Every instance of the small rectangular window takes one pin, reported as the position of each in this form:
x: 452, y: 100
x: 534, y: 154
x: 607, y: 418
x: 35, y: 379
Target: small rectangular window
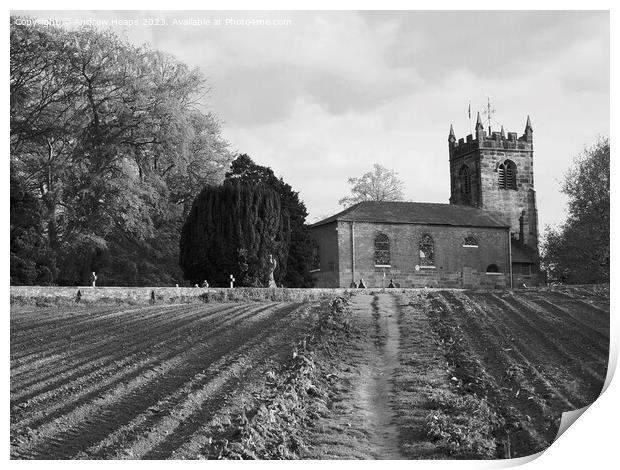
x: 523, y: 269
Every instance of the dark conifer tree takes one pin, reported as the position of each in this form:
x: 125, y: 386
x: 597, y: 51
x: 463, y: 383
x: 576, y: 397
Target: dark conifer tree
x: 299, y: 259
x: 232, y: 229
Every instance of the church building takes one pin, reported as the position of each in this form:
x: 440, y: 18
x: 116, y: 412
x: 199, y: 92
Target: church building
x: 487, y: 236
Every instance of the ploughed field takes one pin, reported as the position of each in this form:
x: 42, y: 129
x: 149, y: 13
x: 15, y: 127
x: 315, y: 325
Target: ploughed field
x: 396, y: 374
x: 531, y: 354
x: 137, y: 382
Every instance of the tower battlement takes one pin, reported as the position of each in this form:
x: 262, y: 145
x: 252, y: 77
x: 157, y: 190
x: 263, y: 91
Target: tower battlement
x: 496, y: 140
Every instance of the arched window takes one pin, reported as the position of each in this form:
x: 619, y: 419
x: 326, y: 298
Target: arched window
x: 507, y: 175
x: 470, y: 241
x: 382, y: 250
x: 511, y: 175
x: 427, y: 251
x: 492, y: 268
x: 465, y: 183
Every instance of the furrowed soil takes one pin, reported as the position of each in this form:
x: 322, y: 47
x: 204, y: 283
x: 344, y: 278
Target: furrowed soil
x: 138, y: 382
x: 424, y: 374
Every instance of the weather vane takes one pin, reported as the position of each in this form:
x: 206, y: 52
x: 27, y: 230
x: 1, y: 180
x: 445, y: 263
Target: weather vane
x: 489, y: 113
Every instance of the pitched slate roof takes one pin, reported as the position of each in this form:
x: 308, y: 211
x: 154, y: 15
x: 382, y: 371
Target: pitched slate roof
x: 422, y: 213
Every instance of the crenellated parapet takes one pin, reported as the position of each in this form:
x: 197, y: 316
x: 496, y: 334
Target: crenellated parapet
x: 481, y: 140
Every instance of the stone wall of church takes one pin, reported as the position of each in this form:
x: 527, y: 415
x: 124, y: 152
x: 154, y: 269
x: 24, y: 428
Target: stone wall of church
x: 509, y: 204
x: 455, y: 265
x: 326, y: 275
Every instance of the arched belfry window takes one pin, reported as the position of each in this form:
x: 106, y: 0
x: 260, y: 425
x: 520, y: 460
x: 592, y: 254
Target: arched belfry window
x: 465, y: 184
x: 507, y: 175
x: 427, y: 251
x: 382, y: 250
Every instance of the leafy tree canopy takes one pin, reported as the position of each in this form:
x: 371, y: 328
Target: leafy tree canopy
x: 380, y: 184
x: 32, y: 260
x: 112, y: 142
x: 578, y: 251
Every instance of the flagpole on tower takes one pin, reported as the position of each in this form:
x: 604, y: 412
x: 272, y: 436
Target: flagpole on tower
x: 469, y: 114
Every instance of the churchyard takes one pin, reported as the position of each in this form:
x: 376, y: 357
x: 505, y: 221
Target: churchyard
x: 416, y: 373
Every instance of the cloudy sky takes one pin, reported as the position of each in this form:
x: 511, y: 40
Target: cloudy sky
x: 322, y: 96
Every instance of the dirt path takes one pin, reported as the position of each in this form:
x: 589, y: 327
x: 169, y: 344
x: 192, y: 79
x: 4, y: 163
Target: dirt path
x: 376, y: 389
x: 362, y: 423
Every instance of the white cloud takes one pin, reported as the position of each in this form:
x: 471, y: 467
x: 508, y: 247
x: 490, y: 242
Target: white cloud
x: 325, y: 97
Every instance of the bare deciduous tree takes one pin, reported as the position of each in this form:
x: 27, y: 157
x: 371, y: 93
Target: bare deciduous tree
x: 380, y: 184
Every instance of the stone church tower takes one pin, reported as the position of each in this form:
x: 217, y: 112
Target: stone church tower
x: 495, y: 172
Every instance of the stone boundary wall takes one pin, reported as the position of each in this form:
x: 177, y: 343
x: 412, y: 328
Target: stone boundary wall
x: 167, y: 294
x: 142, y: 295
